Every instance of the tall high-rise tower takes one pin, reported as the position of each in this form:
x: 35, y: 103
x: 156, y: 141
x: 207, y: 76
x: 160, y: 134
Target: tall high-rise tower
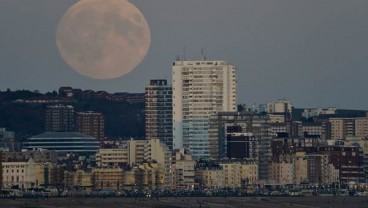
x: 60, y: 118
x: 200, y: 89
x: 158, y: 110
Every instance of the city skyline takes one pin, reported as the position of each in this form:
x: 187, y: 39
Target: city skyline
x: 311, y: 52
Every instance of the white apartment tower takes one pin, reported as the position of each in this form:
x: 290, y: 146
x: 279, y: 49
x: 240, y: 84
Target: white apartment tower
x: 200, y: 89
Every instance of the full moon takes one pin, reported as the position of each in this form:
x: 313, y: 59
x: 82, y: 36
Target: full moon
x: 103, y: 39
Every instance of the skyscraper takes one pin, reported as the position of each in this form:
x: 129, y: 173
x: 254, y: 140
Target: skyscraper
x: 91, y: 124
x: 60, y: 118
x: 158, y: 110
x: 200, y: 89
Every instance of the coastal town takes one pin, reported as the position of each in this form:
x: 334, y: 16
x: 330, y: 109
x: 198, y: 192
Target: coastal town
x: 198, y: 141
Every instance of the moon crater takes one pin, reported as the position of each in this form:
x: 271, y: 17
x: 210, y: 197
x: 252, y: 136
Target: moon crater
x: 103, y: 39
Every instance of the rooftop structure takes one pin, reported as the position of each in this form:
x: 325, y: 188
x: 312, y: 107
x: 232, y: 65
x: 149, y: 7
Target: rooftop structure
x: 63, y: 142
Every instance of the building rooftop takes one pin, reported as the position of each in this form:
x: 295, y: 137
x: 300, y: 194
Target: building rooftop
x: 59, y: 135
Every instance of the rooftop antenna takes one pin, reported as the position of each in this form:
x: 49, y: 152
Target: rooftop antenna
x: 203, y: 55
x: 184, y: 53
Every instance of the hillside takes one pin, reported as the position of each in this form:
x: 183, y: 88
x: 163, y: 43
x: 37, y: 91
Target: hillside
x: 122, y: 119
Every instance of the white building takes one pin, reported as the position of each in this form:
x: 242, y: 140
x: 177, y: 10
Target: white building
x: 183, y: 169
x: 200, y: 89
x: 21, y: 174
x: 308, y: 113
x: 280, y: 106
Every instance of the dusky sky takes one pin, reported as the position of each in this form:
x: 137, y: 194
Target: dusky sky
x: 313, y: 52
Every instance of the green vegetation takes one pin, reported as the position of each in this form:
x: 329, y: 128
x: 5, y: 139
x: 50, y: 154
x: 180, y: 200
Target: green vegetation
x: 122, y: 119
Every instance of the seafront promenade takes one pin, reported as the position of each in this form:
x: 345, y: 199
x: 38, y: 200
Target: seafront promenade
x: 188, y: 202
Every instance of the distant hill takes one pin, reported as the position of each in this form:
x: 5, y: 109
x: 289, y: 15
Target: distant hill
x: 122, y: 119
x: 297, y: 113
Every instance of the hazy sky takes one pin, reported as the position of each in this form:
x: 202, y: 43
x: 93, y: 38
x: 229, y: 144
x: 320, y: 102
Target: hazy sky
x: 313, y: 52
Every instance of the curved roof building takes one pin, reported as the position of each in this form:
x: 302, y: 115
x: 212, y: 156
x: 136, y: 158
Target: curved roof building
x: 63, y: 142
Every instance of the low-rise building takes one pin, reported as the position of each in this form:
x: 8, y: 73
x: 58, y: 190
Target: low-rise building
x: 362, y: 143
x: 320, y: 170
x: 83, y: 180
x: 183, y: 169
x: 282, y: 173
x: 114, y: 157
x: 301, y: 168
x: 39, y: 156
x: 134, y: 178
x: 154, y: 175
x: 348, y: 160
x: 20, y: 174
x: 277, y: 118
x: 238, y: 174
x: 107, y: 178
x: 136, y: 152
x: 157, y: 152
x: 210, y: 177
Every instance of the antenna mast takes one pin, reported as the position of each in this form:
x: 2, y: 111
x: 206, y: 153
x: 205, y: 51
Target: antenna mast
x: 203, y: 55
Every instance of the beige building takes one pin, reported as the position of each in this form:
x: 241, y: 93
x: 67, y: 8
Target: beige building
x: 132, y: 153
x: 277, y: 128
x: 83, y: 179
x: 282, y: 173
x: 333, y: 175
x: 312, y: 129
x: 347, y: 127
x: 276, y: 118
x: 134, y: 178
x: 40, y: 174
x: 237, y: 174
x: 361, y: 127
x: 183, y: 169
x: 115, y: 157
x: 154, y: 175
x: 279, y: 106
x: 38, y: 156
x: 301, y: 168
x: 107, y: 178
x: 342, y: 127
x: 210, y: 177
x: 157, y: 151
x: 135, y: 149
x: 320, y: 170
x: 137, y: 152
x: 21, y: 174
